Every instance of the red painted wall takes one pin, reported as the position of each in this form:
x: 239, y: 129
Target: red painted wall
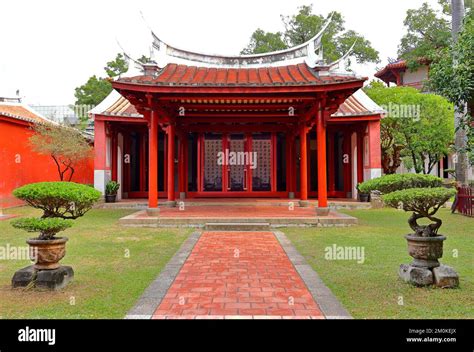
x: 19, y: 165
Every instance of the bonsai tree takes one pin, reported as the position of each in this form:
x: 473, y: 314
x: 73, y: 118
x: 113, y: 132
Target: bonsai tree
x: 65, y: 200
x: 47, y: 228
x: 424, y: 203
x: 61, y: 202
x: 421, y: 194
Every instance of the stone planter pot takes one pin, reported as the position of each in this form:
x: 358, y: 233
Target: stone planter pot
x: 110, y: 198
x: 425, y: 251
x: 364, y: 197
x: 47, y: 253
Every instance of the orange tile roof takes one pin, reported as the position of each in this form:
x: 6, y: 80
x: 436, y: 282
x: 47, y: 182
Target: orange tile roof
x: 20, y: 112
x: 291, y: 75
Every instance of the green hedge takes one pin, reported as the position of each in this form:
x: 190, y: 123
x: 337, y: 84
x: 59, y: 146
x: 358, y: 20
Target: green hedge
x: 66, y: 200
x: 395, y: 182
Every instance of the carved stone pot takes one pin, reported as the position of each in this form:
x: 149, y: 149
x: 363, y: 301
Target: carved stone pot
x: 47, y: 253
x: 425, y: 250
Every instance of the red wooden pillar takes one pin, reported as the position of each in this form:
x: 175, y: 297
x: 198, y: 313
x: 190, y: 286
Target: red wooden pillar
x: 182, y: 165
x: 332, y: 163
x: 303, y: 168
x: 114, y: 154
x: 153, y: 162
x: 171, y: 133
x: 290, y: 140
x: 322, y: 166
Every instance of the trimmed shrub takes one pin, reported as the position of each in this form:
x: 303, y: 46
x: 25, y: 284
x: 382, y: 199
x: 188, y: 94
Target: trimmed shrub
x: 66, y: 200
x: 47, y: 227
x: 424, y: 203
x: 396, y: 182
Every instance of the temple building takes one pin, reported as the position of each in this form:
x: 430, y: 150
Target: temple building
x: 283, y: 124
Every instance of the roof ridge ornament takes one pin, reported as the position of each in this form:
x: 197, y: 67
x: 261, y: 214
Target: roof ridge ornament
x: 340, y: 66
x: 309, y: 52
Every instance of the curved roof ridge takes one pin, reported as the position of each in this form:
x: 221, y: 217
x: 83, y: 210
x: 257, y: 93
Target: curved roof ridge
x: 305, y: 52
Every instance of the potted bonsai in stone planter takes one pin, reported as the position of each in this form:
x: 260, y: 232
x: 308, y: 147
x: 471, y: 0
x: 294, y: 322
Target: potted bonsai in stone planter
x: 423, y: 195
x: 425, y: 244
x: 61, y: 202
x: 111, y: 189
x: 46, y: 250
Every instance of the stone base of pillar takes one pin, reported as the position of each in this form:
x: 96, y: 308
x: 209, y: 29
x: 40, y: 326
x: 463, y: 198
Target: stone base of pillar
x: 182, y: 195
x: 304, y: 203
x: 153, y: 212
x: 171, y: 203
x: 291, y: 195
x: 322, y: 211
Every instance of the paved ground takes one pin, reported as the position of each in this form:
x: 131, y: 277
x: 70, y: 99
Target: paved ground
x: 238, y: 274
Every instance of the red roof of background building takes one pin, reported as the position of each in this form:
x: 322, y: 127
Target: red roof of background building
x: 291, y: 75
x: 20, y: 111
x: 397, y: 65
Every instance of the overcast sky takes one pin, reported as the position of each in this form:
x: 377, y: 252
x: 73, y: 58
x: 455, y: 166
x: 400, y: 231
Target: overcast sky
x: 49, y: 47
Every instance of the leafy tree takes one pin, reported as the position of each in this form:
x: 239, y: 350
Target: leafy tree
x: 144, y: 59
x: 452, y: 75
x: 66, y: 145
x: 93, y: 92
x: 263, y: 42
x: 428, y: 32
x: 302, y: 26
x: 116, y: 67
x: 96, y: 88
x: 418, y: 127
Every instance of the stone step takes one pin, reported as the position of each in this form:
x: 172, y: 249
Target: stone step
x: 237, y: 226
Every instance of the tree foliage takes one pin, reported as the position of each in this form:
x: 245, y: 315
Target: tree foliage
x: 96, y: 88
x: 302, y: 26
x: 66, y: 146
x: 452, y: 75
x: 65, y: 200
x: 47, y: 228
x: 395, y: 182
x: 418, y: 127
x: 420, y: 194
x: 116, y: 67
x: 424, y: 203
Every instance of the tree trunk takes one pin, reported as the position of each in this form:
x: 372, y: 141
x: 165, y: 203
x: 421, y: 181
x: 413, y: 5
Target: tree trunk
x: 461, y: 161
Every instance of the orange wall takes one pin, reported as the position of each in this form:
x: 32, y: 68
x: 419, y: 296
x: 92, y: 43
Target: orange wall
x: 19, y: 165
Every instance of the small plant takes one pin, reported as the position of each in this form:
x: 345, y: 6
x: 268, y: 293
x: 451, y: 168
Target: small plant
x: 111, y: 188
x: 47, y: 228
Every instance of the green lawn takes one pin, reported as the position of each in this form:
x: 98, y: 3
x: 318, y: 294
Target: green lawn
x: 373, y: 289
x: 106, y: 282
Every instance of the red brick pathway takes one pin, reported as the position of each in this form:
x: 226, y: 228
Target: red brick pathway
x: 237, y: 275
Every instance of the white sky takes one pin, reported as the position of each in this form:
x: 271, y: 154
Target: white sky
x: 49, y: 47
